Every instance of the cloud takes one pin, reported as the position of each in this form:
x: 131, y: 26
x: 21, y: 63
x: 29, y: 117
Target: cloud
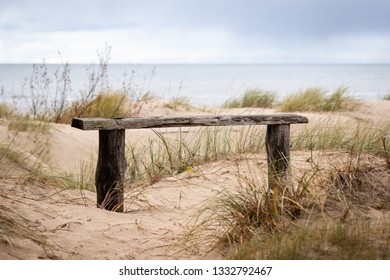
x: 359, y: 48
x: 285, y: 17
x: 182, y: 46
x: 129, y: 45
x: 196, y: 31
x: 70, y: 15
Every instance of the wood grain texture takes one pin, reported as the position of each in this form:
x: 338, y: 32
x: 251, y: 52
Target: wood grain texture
x: 277, y: 143
x: 157, y: 122
x: 110, y: 170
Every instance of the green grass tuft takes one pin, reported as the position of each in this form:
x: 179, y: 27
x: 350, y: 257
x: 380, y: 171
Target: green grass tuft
x: 162, y: 155
x: 332, y: 134
x: 177, y: 102
x: 254, y: 98
x: 147, y: 96
x: 104, y: 105
x: 24, y: 124
x: 315, y: 100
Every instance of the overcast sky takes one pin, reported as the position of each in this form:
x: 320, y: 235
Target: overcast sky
x: 196, y: 31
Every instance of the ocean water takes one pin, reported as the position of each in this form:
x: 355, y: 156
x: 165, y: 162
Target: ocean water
x: 209, y: 84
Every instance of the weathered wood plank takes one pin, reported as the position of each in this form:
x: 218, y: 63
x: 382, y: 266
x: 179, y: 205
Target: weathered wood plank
x: 157, y: 122
x: 110, y: 170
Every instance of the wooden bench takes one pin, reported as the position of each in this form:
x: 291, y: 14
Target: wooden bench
x: 111, y: 164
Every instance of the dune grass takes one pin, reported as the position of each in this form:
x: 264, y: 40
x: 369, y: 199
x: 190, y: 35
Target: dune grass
x: 255, y: 98
x: 354, y: 240
x: 16, y: 158
x: 328, y: 192
x: 315, y: 100
x: 14, y: 225
x: 324, y: 216
x: 147, y: 96
x: 47, y: 97
x: 25, y: 146
x: 18, y: 122
x: 6, y: 111
x: 334, y: 134
x: 335, y: 223
x: 104, y: 105
x: 163, y: 155
x: 24, y: 124
x: 386, y: 97
x: 176, y: 102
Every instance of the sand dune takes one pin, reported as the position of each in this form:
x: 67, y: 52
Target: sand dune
x: 65, y: 224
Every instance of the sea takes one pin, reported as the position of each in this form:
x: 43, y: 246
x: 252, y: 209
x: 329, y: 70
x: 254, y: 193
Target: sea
x: 201, y: 84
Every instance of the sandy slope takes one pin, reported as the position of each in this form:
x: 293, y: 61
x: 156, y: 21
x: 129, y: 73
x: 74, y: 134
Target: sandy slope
x: 148, y: 230
x: 65, y: 224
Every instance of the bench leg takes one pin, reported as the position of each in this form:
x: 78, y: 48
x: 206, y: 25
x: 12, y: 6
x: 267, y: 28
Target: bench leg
x: 278, y: 157
x: 110, y: 170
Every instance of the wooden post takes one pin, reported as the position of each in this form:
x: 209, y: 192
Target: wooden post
x: 278, y: 156
x: 110, y: 170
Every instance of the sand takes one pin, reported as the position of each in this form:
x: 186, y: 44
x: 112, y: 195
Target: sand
x: 65, y: 224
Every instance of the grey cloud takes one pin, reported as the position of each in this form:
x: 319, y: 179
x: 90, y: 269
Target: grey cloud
x: 277, y: 18
x: 310, y: 18
x: 249, y: 27
x: 68, y: 15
